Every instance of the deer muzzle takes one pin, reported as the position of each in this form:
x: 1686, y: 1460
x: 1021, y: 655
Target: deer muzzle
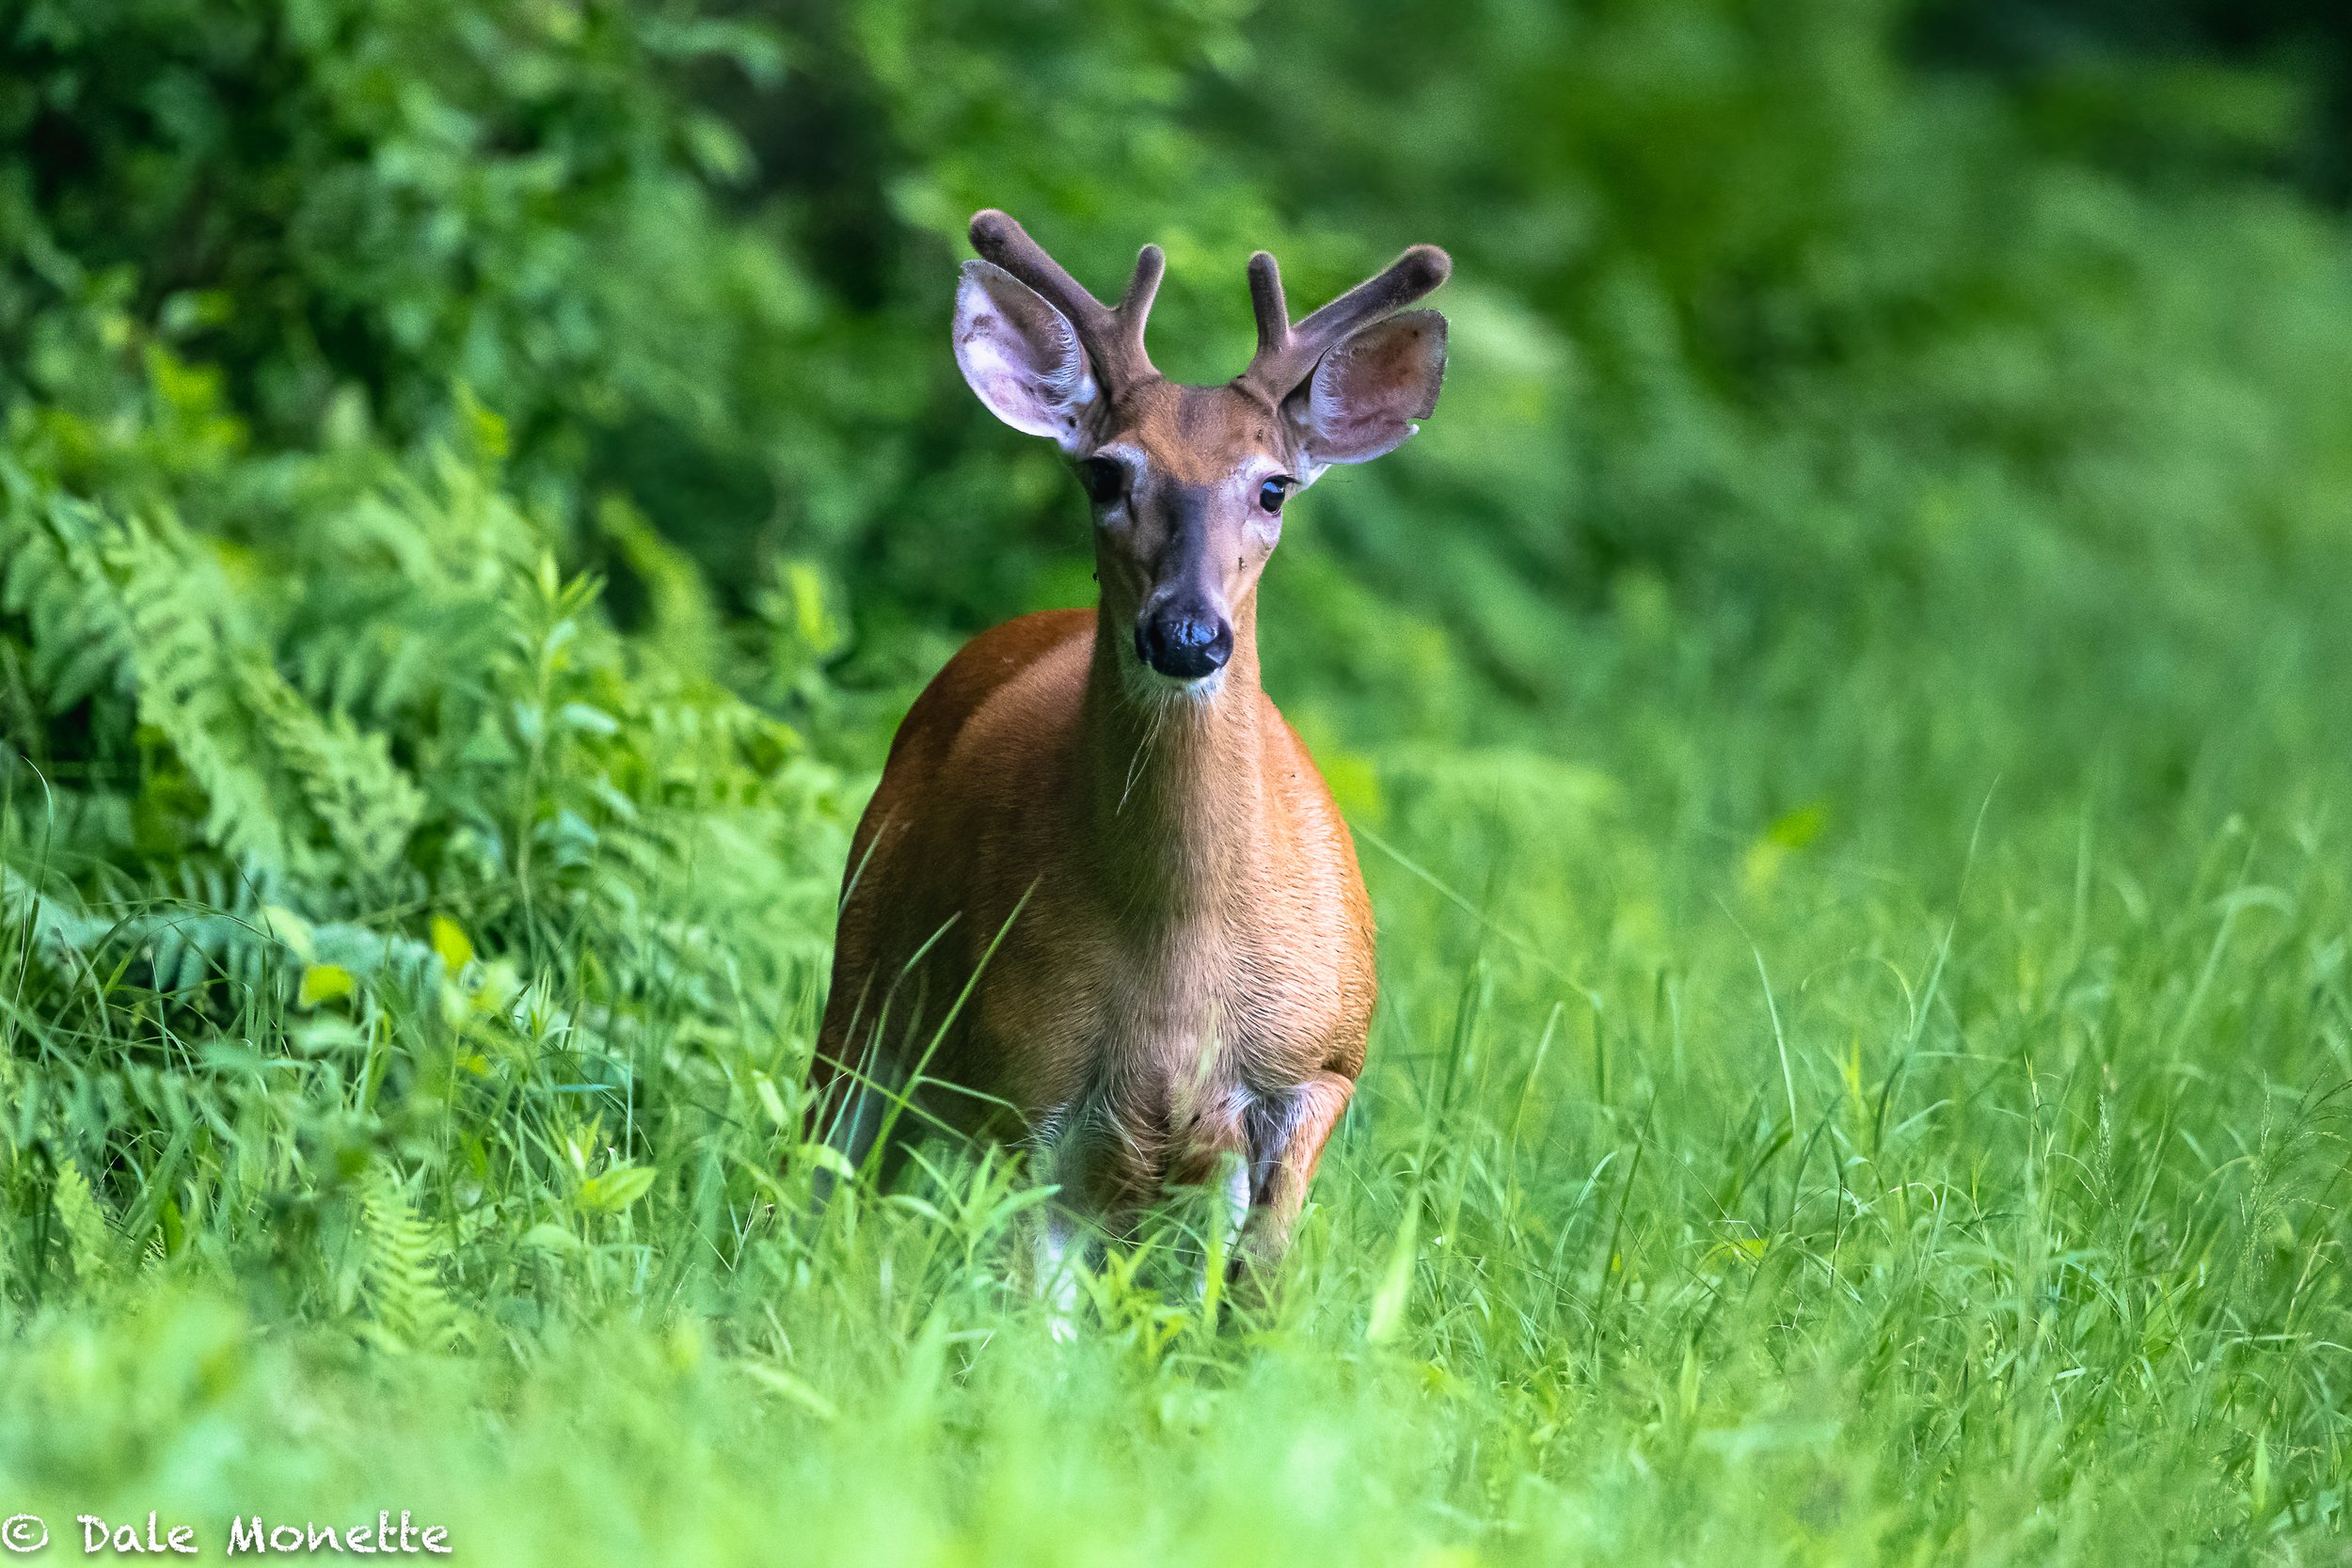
x: 1184, y: 642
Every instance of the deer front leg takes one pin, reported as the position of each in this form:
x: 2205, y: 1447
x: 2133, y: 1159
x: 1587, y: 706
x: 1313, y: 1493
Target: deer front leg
x: 1287, y: 1132
x: 1057, y: 1254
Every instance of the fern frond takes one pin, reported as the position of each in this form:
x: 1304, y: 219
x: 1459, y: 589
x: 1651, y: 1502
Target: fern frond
x: 193, y: 689
x: 52, y: 572
x: 405, y: 591
x: 366, y: 805
x: 89, y: 1236
x: 398, y: 1273
x: 56, y: 928
x: 138, y: 608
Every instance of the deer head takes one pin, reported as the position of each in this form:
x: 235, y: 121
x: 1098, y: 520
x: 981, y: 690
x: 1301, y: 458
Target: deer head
x: 1187, y: 482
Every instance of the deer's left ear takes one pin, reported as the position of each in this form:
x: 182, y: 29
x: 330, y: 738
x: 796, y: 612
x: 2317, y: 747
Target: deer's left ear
x: 1366, y: 393
x: 1022, y: 356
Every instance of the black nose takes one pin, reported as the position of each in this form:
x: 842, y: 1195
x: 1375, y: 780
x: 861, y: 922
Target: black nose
x: 1185, y: 644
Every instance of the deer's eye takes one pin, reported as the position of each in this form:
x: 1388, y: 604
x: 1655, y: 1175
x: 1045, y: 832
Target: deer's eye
x: 1104, y: 481
x: 1270, y: 494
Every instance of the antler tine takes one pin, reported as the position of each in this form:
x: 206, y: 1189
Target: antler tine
x: 1267, y: 303
x: 1001, y: 240
x: 1134, y: 306
x: 1113, y: 336
x: 1287, y: 354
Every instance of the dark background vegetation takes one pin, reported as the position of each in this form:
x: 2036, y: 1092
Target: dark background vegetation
x: 699, y: 258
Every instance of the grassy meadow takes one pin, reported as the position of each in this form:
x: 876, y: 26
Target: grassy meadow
x: 1843, y: 710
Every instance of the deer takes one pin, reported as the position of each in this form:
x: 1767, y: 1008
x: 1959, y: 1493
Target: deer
x: 1102, y: 906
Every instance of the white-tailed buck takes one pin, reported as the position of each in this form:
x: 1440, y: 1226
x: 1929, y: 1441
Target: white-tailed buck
x: 1102, y: 903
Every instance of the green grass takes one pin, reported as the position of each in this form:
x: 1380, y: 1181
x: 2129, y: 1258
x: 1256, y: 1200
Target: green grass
x: 1883, y: 1187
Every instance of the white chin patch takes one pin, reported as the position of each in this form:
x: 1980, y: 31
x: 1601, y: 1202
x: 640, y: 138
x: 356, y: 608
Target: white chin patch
x: 1147, y: 684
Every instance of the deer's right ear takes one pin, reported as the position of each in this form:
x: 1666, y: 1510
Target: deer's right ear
x: 1365, y: 395
x: 1022, y: 356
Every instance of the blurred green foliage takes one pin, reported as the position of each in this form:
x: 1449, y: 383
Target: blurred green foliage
x: 1788, y: 341
x: 1842, y: 707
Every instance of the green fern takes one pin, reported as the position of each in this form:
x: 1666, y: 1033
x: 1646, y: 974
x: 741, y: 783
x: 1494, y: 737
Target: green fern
x: 292, y: 760
x: 137, y: 606
x: 56, y: 928
x: 366, y: 806
x: 53, y: 574
x: 89, y: 1236
x: 398, y: 1268
x: 405, y: 594
x: 195, y: 684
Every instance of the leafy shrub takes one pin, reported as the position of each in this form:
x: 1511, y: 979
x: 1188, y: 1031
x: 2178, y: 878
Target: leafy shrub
x: 273, y: 789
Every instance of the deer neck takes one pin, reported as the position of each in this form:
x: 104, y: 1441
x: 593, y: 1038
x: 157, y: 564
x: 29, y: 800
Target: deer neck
x: 1176, y: 780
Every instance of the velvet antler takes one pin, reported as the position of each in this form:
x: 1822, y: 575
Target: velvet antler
x: 1287, y: 354
x: 1113, y: 334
